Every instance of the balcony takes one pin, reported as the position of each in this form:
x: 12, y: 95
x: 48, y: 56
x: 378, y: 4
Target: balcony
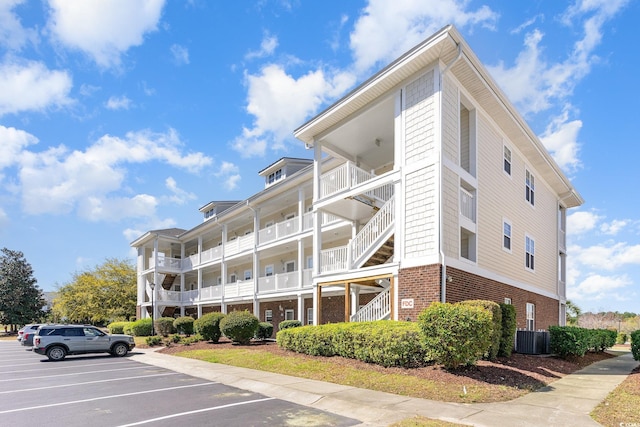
x: 172, y: 265
x: 241, y: 288
x: 283, y: 281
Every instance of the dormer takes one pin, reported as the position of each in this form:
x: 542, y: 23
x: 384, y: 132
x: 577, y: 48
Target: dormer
x: 282, y: 168
x: 212, y: 209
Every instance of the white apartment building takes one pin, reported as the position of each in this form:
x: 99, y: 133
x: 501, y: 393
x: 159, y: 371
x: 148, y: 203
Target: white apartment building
x: 426, y: 185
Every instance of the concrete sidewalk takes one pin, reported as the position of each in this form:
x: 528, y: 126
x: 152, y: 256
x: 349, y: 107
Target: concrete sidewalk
x: 566, y: 402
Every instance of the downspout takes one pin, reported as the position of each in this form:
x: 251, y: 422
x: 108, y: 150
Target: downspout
x: 443, y: 276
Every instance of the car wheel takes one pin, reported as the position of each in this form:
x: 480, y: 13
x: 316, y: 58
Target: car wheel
x: 56, y: 353
x: 120, y: 350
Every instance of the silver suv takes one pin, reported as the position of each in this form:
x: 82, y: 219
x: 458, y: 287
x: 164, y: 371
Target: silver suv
x: 57, y: 341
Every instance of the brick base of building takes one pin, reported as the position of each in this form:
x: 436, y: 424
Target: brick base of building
x: 420, y: 286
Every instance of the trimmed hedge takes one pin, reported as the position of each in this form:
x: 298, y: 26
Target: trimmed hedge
x: 239, y: 326
x: 456, y: 334
x: 208, y: 325
x: 569, y: 341
x: 496, y: 317
x: 164, y: 326
x: 622, y: 338
x: 286, y: 324
x: 386, y: 343
x: 264, y: 331
x: 635, y: 344
x: 117, y: 327
x: 509, y: 326
x: 140, y: 328
x: 184, y: 325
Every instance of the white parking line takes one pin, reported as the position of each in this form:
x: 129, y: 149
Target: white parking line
x: 115, y: 396
x: 181, y: 414
x: 48, y: 366
x: 70, y: 374
x: 88, y: 382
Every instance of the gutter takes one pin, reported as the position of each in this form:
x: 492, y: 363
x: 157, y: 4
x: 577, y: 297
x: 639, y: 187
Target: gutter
x: 443, y: 275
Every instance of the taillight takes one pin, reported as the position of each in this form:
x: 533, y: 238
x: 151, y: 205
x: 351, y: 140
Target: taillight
x: 36, y: 341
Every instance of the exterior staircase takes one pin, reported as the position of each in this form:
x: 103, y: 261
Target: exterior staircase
x: 378, y: 308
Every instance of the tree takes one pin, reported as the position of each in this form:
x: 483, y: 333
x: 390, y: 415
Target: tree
x: 573, y: 313
x: 105, y: 294
x: 21, y: 300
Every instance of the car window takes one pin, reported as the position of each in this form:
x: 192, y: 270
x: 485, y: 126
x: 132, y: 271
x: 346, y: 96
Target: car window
x: 92, y: 332
x: 73, y: 332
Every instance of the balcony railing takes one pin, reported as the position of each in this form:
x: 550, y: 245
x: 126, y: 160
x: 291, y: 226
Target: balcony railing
x: 344, y: 177
x: 283, y: 281
x: 240, y: 244
x: 211, y: 292
x: 241, y: 288
x: 467, y: 205
x: 377, y: 309
x: 212, y: 254
x: 166, y: 263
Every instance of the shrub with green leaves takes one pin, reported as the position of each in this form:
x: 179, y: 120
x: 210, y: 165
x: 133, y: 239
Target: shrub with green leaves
x: 635, y: 344
x: 153, y: 341
x: 568, y: 341
x: 509, y: 326
x: 184, y: 325
x: 117, y: 327
x: 208, y: 325
x: 239, y: 326
x: 128, y: 328
x: 141, y: 328
x: 265, y: 330
x: 286, y: 324
x: 621, y: 338
x: 456, y: 334
x: 496, y: 331
x: 311, y: 340
x: 164, y: 326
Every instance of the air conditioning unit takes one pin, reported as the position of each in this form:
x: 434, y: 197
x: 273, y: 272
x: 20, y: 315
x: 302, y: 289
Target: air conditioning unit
x: 532, y: 342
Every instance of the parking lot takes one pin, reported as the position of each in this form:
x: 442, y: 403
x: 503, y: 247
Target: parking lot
x: 100, y: 390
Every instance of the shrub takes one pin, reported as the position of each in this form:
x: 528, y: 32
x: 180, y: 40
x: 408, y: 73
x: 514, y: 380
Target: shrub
x: 116, y: 327
x: 456, y: 334
x: 128, y: 328
x: 286, y: 324
x: 509, y: 326
x: 164, y: 326
x: 635, y: 344
x: 621, y: 338
x: 311, y: 340
x: 154, y: 340
x: 264, y: 331
x: 192, y: 339
x: 568, y: 341
x: 496, y: 317
x: 208, y: 325
x: 184, y: 325
x: 141, y: 328
x: 239, y: 326
x: 601, y: 339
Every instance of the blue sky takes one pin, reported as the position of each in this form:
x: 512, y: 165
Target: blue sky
x: 121, y: 116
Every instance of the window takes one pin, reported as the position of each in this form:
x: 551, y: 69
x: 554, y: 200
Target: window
x: 530, y: 251
x: 289, y: 314
x: 268, y: 270
x: 310, y: 261
x: 289, y: 266
x: 310, y: 316
x: 247, y: 275
x: 531, y: 317
x: 507, y: 160
x: 530, y: 188
x: 219, y: 280
x: 507, y: 301
x: 233, y: 278
x: 268, y: 315
x: 506, y: 235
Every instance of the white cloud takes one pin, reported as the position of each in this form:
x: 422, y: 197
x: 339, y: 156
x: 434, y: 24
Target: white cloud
x: 31, y: 86
x: 88, y: 90
x: 13, y: 36
x: 387, y: 29
x: 581, y: 222
x: 118, y: 103
x: 58, y: 180
x: 614, y: 227
x: 103, y: 29
x: 229, y: 173
x: 152, y: 223
x: 4, y: 219
x: 267, y: 47
x: 606, y: 256
x: 179, y: 196
x: 535, y: 84
x: 561, y: 139
x: 271, y: 94
x: 13, y: 142
x: 180, y: 54
x: 598, y: 287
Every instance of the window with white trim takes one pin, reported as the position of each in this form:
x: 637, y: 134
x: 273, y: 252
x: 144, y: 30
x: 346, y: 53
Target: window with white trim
x: 530, y: 252
x: 530, y: 188
x: 507, y: 160
x: 268, y: 315
x: 233, y: 278
x: 268, y: 270
x: 310, y: 316
x: 289, y: 266
x: 310, y: 261
x: 531, y: 317
x: 289, y: 314
x: 507, y: 300
x: 506, y: 235
x: 247, y: 274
